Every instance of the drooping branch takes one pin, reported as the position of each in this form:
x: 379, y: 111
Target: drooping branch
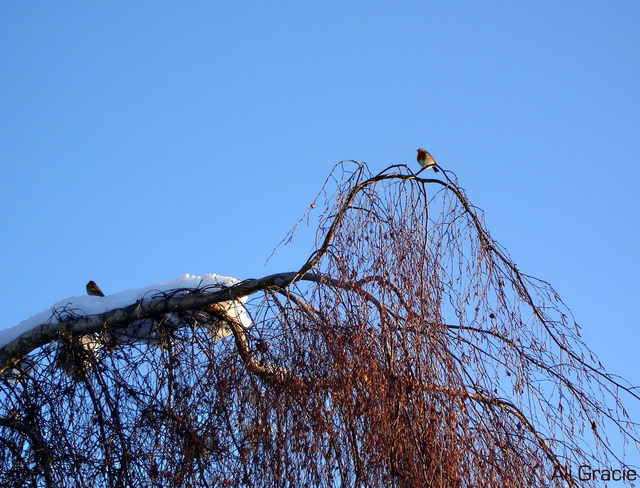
x: 40, y: 447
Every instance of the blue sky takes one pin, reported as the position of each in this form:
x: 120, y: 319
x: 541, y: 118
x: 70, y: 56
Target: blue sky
x: 143, y: 140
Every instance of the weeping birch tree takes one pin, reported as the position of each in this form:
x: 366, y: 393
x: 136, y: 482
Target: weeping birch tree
x: 408, y: 350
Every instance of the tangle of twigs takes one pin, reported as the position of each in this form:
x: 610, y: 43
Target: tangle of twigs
x: 408, y: 350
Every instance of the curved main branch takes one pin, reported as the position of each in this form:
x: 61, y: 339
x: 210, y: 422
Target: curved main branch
x: 113, y: 319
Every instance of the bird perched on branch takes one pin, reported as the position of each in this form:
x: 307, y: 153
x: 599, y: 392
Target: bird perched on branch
x: 93, y: 289
x: 426, y: 160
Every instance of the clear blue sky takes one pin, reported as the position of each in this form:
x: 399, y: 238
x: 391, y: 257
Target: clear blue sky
x: 143, y: 140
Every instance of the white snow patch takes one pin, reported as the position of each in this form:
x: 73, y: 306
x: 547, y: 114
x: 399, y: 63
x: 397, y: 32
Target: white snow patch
x: 91, y: 305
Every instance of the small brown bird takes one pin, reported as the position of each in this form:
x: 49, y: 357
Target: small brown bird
x: 93, y: 289
x: 426, y: 160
